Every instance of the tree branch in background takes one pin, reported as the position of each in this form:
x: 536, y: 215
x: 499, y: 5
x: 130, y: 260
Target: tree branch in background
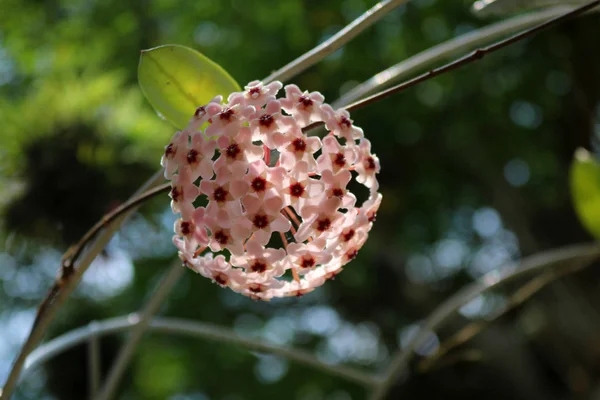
x: 574, y: 257
x: 326, y: 48
x: 443, y: 51
x: 135, y: 335
x: 475, y: 55
x: 193, y: 329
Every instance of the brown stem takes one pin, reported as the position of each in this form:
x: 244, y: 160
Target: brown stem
x: 475, y: 55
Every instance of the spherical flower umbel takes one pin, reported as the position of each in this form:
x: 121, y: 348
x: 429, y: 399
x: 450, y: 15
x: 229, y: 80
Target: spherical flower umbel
x: 278, y: 218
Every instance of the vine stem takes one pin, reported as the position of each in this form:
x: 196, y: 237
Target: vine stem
x: 443, y: 51
x: 348, y: 33
x: 475, y: 55
x: 542, y: 262
x: 193, y: 329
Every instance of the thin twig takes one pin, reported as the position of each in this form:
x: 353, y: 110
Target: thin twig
x: 348, y: 33
x: 443, y: 51
x: 474, y: 328
x: 127, y: 350
x: 94, y: 366
x: 475, y: 55
x: 544, y: 262
x: 134, y: 202
x: 197, y: 330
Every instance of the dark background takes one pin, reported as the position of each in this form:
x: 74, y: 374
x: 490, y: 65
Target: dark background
x: 474, y: 175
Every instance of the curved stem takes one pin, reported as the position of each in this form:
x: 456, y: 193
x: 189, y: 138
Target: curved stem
x: 348, y: 33
x: 542, y: 262
x: 196, y: 330
x: 126, y: 353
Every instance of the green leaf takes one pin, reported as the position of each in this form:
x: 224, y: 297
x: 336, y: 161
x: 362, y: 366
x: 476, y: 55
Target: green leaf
x: 176, y: 80
x: 585, y: 190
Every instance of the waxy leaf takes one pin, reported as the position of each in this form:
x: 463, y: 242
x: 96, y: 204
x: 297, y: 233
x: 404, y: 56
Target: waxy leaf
x: 585, y: 190
x: 176, y: 80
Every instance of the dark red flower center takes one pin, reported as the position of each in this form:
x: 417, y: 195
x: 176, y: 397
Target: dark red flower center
x: 170, y: 150
x: 371, y: 216
x: 254, y: 91
x: 221, y: 237
x: 305, y: 101
x: 299, y: 145
x: 348, y: 235
x: 200, y: 111
x: 258, y: 266
x: 186, y: 227
x: 220, y: 194
x: 256, y: 288
x: 192, y: 156
x: 339, y: 159
x: 175, y: 193
x: 266, y: 120
x: 338, y: 192
x: 323, y: 224
x: 370, y: 163
x: 351, y: 254
x: 260, y: 221
x: 259, y: 184
x: 297, y: 189
x: 221, y: 278
x: 233, y: 151
x: 226, y: 114
x: 307, y: 262
x: 345, y: 123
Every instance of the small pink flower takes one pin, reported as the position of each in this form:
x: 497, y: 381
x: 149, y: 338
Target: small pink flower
x: 335, y: 156
x: 265, y: 216
x: 175, y: 153
x: 367, y: 165
x: 308, y: 257
x: 204, y: 113
x: 298, y: 148
x: 260, y: 260
x: 262, y: 179
x: 269, y: 125
x: 304, y: 106
x: 340, y: 124
x: 199, y: 156
x: 257, y: 94
x: 299, y: 187
x: 335, y: 187
x: 238, y: 149
x: 228, y: 121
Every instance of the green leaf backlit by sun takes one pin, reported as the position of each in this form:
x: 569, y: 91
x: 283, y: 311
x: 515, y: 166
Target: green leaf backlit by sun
x: 176, y: 80
x: 585, y: 190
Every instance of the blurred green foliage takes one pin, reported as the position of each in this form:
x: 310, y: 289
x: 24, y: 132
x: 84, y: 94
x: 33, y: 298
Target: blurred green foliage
x: 475, y: 168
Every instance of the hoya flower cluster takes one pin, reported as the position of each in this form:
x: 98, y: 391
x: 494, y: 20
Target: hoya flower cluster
x: 269, y: 201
